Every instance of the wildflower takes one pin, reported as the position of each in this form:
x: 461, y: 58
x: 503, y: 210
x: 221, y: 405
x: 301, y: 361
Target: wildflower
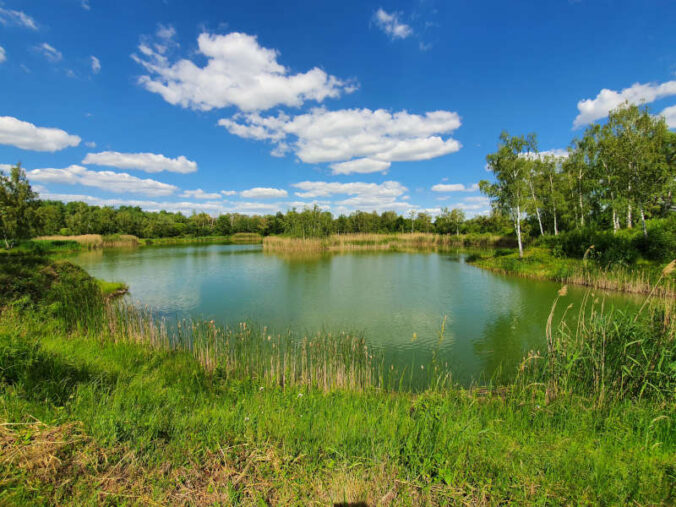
x: 260, y: 388
x: 300, y: 395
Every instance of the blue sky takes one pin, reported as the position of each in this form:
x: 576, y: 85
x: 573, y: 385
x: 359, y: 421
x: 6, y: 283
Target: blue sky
x: 259, y: 106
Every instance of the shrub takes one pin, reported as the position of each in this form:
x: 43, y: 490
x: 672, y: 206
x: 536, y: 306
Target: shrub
x: 660, y: 245
x: 60, y: 288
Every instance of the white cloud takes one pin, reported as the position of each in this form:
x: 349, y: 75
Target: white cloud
x: 391, y: 24
x: 670, y: 115
x: 3, y: 54
x: 96, y: 65
x: 200, y: 194
x: 239, y: 72
x: 454, y: 187
x: 90, y: 144
x: 27, y: 136
x: 326, y: 189
x: 362, y: 139
x: 364, y: 196
x: 229, y: 192
x: 264, y: 193
x: 105, y: 180
x: 85, y: 5
x: 49, y: 52
x: 591, y: 110
x: 148, y: 162
x: 186, y: 207
x: 361, y: 166
x: 18, y: 18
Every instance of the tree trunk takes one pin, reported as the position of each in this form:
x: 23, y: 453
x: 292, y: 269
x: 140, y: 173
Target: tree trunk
x: 518, y: 231
x: 616, y: 222
x: 629, y: 216
x: 581, y: 210
x: 551, y: 186
x: 537, y: 209
x: 645, y: 227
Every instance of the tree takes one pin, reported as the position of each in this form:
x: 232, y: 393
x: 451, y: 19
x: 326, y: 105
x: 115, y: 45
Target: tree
x: 510, y: 190
x: 640, y: 156
x: 17, y: 206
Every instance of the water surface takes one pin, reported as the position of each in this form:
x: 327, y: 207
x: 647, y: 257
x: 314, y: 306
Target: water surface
x: 396, y: 300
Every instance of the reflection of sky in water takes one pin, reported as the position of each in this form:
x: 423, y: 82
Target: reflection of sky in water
x: 491, y: 319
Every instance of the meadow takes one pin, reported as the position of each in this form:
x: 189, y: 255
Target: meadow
x: 102, y: 402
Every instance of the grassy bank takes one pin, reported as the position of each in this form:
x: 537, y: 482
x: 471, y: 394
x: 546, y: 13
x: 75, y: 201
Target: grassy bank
x: 107, y: 404
x: 539, y: 263
x: 375, y: 242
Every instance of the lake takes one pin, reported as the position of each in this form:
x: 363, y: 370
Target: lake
x: 398, y: 301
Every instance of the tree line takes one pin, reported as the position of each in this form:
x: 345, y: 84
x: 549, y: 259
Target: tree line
x: 616, y: 175
x: 24, y: 216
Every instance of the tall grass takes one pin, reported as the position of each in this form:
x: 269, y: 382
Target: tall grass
x: 323, y: 361
x: 395, y: 242
x: 94, y: 241
x: 538, y: 263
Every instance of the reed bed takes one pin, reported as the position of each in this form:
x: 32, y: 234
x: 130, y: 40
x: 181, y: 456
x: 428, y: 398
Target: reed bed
x: 380, y: 242
x: 539, y: 264
x: 95, y: 241
x: 322, y: 361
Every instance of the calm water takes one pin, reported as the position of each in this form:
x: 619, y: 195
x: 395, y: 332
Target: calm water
x: 396, y: 300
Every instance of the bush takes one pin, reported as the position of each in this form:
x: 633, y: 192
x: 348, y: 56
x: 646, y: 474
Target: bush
x: 609, y: 248
x: 62, y: 289
x: 660, y: 245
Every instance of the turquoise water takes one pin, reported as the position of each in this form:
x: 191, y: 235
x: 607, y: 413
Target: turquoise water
x: 396, y: 300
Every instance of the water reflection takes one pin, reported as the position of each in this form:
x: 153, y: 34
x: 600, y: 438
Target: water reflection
x: 492, y: 320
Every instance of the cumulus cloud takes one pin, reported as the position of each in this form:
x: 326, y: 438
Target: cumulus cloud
x: 229, y: 192
x: 3, y: 54
x: 359, y: 140
x: 16, y: 18
x: 594, y: 109
x: 238, y: 72
x: 105, y: 180
x: 358, y: 195
x: 200, y: 194
x: 96, y: 65
x: 670, y: 116
x: 391, y: 24
x: 455, y: 187
x: 187, y: 207
x: 361, y: 166
x: 148, y: 162
x: 27, y: 136
x: 49, y: 52
x: 264, y: 193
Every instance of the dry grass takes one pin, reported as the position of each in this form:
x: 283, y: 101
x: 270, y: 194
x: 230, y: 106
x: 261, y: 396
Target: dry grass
x: 71, y: 468
x: 94, y: 241
x: 377, y: 242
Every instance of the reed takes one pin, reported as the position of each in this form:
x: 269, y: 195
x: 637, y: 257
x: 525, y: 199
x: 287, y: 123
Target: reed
x: 322, y: 361
x: 380, y: 242
x: 94, y: 241
x: 537, y: 263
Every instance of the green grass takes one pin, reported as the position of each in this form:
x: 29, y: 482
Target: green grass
x: 539, y: 263
x: 164, y: 427
x: 112, y: 288
x: 104, y: 403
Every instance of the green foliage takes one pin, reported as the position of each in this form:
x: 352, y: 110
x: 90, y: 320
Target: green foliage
x: 518, y: 445
x: 17, y: 206
x: 60, y: 289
